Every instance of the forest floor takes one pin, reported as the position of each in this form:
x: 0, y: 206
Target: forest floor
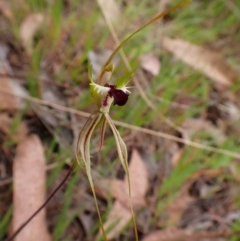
x: 181, y: 124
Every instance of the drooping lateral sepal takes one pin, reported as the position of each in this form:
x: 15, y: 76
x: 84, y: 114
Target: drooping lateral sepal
x: 84, y: 138
x: 121, y: 147
x: 83, y: 146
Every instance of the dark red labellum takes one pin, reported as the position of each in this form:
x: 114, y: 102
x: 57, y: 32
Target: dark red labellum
x: 119, y: 96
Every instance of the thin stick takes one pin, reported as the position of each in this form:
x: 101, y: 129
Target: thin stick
x: 129, y: 126
x: 42, y: 206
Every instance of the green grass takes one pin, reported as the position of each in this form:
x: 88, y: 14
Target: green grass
x: 5, y: 222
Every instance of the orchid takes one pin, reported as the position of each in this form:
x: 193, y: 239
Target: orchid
x: 105, y: 95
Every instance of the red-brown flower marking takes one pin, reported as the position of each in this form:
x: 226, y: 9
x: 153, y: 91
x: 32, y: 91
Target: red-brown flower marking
x: 120, y: 97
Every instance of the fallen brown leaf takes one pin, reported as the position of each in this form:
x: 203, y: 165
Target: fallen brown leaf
x: 174, y: 234
x: 150, y: 63
x: 98, y: 59
x: 120, y: 213
x: 28, y: 28
x: 9, y: 85
x: 106, y: 187
x: 138, y: 178
x: 29, y: 190
x: 5, y: 9
x: 6, y: 101
x: 192, y: 126
x: 181, y: 202
x: 111, y: 9
x: 166, y: 235
x: 208, y: 62
x: 183, y: 198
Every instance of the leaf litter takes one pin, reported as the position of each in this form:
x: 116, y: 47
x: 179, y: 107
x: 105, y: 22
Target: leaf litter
x: 29, y: 180
x: 120, y: 214
x: 207, y: 61
x: 193, y: 194
x: 150, y: 63
x: 30, y: 25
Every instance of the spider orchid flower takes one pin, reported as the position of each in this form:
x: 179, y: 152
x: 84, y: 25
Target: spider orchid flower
x: 104, y: 96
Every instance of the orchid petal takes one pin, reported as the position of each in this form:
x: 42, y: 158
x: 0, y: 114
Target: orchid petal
x: 90, y: 73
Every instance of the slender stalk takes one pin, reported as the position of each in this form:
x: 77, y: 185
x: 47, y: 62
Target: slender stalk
x: 42, y: 206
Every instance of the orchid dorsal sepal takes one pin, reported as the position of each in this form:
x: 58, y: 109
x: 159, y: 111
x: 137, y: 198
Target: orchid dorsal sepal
x: 90, y: 74
x: 109, y: 68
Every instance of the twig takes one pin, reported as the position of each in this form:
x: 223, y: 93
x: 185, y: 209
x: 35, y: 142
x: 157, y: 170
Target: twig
x: 129, y: 126
x: 42, y: 206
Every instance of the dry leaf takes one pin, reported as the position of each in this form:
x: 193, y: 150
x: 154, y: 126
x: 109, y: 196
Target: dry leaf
x: 28, y: 28
x: 98, y: 59
x: 54, y: 119
x: 176, y: 157
x: 163, y: 5
x: 166, y: 235
x: 193, y: 126
x: 117, y: 219
x: 6, y: 101
x: 181, y: 202
x: 173, y: 234
x: 208, y: 62
x: 120, y: 214
x: 9, y: 86
x: 115, y: 188
x: 5, y: 9
x: 150, y: 63
x: 183, y: 198
x: 138, y: 178
x: 232, y: 110
x: 111, y: 9
x: 29, y: 190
